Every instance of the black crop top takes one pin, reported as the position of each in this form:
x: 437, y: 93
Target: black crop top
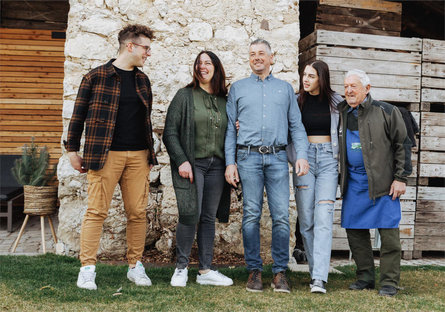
x: 316, y: 116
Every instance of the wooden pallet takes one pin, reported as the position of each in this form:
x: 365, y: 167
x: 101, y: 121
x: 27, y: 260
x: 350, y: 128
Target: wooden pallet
x: 392, y: 63
x: 366, y: 17
x: 433, y: 72
x: 429, y: 232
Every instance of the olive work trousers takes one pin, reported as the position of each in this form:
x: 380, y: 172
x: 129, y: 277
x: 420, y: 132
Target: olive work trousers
x: 390, y: 254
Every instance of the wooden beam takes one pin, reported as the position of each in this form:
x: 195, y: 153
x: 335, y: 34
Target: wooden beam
x: 378, y: 5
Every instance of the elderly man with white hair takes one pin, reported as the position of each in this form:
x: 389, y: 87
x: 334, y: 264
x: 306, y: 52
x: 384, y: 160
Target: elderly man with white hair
x: 375, y: 161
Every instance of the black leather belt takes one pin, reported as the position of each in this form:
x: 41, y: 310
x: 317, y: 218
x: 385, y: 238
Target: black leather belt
x: 263, y: 149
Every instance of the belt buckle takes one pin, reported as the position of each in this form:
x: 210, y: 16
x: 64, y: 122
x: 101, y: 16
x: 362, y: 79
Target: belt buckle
x: 263, y: 149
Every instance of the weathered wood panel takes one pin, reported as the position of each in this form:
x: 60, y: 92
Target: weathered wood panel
x: 411, y: 57
x: 357, y: 30
x: 430, y: 229
x: 432, y: 157
x: 429, y: 243
x: 361, y: 41
x: 374, y: 66
x: 432, y: 144
x: 431, y: 206
x: 433, y: 95
x: 366, y: 20
x: 433, y: 51
x: 378, y: 5
x: 431, y: 193
x: 428, y: 82
x: 433, y: 70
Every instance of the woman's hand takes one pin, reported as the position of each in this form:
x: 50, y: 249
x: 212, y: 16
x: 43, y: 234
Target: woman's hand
x: 185, y: 171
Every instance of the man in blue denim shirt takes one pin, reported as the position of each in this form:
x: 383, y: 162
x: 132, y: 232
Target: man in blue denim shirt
x: 267, y: 111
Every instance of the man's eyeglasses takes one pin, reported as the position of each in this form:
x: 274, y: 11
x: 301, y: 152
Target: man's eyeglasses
x: 147, y: 48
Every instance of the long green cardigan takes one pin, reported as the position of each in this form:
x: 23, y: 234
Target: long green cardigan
x: 179, y: 139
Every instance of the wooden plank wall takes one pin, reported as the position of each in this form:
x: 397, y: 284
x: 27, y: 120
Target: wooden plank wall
x: 31, y: 90
x: 430, y: 211
x: 360, y: 16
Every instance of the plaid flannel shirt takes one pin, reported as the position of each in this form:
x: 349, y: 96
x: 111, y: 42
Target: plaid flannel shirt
x: 96, y: 105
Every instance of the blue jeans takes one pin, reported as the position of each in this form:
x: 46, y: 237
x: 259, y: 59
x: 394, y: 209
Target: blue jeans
x: 257, y: 171
x: 315, y: 196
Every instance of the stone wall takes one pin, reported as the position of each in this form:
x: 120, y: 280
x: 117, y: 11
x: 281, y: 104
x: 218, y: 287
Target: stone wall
x: 182, y: 29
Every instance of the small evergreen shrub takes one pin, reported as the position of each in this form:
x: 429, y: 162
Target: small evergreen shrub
x: 31, y: 168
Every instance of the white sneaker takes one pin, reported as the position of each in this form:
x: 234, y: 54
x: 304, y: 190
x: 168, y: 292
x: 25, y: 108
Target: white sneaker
x: 87, y: 277
x: 138, y: 276
x: 179, y: 278
x: 213, y: 278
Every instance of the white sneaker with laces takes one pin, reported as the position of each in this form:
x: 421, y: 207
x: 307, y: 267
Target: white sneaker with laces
x: 86, y: 278
x: 138, y: 276
x: 179, y: 278
x: 213, y: 278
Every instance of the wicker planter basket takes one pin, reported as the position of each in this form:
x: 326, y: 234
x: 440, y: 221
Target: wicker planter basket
x: 40, y: 200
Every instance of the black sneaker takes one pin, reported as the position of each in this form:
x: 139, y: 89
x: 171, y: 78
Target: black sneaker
x: 254, y: 282
x: 318, y: 286
x: 388, y: 291
x: 361, y: 285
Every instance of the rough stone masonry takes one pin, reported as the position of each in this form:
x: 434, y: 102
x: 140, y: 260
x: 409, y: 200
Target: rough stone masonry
x: 182, y: 29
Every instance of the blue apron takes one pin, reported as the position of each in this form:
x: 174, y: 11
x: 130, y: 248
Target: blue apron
x: 358, y: 210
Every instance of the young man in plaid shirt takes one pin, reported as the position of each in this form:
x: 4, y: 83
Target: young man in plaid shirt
x: 114, y: 103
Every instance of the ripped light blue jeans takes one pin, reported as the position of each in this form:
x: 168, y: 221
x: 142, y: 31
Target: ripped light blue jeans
x: 315, y: 196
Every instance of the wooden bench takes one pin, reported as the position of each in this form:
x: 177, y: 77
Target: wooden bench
x: 10, y: 189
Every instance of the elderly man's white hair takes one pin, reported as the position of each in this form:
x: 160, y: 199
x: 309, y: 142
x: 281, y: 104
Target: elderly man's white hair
x: 364, y: 79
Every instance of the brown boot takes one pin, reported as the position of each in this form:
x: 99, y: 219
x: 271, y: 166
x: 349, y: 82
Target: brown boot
x: 254, y: 283
x: 279, y: 283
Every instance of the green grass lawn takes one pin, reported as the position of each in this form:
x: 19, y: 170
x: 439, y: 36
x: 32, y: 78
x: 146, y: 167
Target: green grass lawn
x: 48, y: 283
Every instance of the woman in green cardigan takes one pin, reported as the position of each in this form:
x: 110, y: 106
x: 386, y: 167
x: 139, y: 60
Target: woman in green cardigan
x: 194, y: 134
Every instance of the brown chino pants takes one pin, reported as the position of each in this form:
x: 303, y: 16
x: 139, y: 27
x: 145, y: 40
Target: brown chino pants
x: 131, y: 170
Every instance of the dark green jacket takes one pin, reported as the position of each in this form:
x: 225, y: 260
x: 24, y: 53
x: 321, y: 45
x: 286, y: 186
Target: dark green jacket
x: 385, y: 145
x: 179, y: 139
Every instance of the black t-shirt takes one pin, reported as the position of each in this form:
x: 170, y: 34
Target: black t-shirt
x: 316, y: 116
x: 129, y: 131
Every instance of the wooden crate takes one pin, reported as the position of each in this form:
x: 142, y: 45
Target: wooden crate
x: 433, y: 72
x: 31, y: 90
x: 429, y: 232
x: 432, y: 146
x: 392, y: 63
x: 361, y: 16
x: 407, y: 225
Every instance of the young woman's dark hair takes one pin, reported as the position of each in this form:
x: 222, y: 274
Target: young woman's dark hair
x: 324, y: 81
x: 218, y: 81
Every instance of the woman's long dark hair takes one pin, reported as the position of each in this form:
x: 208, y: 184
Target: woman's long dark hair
x: 218, y: 82
x: 324, y: 81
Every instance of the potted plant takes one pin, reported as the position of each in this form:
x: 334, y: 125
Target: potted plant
x: 32, y: 171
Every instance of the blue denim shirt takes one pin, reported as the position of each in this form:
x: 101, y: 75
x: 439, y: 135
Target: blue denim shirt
x: 267, y: 112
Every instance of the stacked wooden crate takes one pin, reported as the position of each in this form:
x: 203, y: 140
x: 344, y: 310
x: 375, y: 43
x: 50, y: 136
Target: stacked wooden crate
x: 430, y: 212
x: 31, y: 90
x: 394, y: 67
x: 360, y: 16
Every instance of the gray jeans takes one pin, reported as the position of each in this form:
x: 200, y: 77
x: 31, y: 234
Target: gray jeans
x: 209, y: 179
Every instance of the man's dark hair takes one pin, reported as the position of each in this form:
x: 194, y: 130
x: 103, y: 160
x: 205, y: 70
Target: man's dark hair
x: 132, y: 33
x: 218, y: 81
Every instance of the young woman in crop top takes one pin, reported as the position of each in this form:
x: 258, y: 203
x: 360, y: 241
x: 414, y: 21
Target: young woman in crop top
x: 315, y: 192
